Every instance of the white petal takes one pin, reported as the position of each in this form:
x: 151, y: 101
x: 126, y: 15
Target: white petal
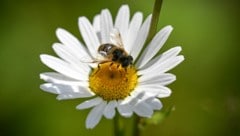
x: 63, y: 52
x: 171, y: 53
x: 129, y: 99
x: 68, y: 96
x: 109, y: 111
x: 69, y: 53
x: 154, y: 46
x: 72, y: 42
x: 66, y: 91
x: 133, y: 98
x: 133, y: 30
x: 142, y: 109
x: 163, y: 66
x: 125, y: 109
x: 90, y: 103
x: 57, y: 78
x: 154, y: 103
x: 141, y: 38
x: 62, y: 67
x: 95, y: 115
x: 89, y: 35
x: 52, y: 88
x: 142, y: 96
x: 96, y: 23
x: 163, y: 79
x: 168, y: 65
x: 76, y: 92
x: 106, y: 25
x: 122, y: 20
x: 156, y: 90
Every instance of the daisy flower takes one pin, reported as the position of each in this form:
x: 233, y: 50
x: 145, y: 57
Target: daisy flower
x: 109, y: 86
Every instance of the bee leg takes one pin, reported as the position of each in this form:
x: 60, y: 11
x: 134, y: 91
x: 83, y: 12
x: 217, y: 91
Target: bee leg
x: 125, y: 69
x: 120, y: 70
x: 110, y: 66
x: 97, y: 69
x: 121, y: 73
x: 126, y: 79
x: 118, y: 66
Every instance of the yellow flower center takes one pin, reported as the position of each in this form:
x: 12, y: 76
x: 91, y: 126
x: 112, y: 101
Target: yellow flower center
x: 113, y: 82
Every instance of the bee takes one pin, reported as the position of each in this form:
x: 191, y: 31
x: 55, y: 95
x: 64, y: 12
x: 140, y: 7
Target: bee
x: 115, y: 52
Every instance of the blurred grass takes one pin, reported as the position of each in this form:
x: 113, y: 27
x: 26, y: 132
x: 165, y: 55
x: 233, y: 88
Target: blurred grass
x: 206, y: 93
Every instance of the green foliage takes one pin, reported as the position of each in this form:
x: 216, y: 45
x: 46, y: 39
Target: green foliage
x: 157, y: 118
x: 206, y: 93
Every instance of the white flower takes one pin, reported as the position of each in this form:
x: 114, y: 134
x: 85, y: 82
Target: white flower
x: 136, y: 89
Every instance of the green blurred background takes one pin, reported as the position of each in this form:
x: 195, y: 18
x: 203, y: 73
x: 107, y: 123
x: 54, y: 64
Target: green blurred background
x: 205, y: 95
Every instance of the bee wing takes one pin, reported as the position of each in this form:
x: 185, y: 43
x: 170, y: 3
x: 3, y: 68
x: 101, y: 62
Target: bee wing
x: 92, y: 62
x: 116, y: 38
x: 87, y: 59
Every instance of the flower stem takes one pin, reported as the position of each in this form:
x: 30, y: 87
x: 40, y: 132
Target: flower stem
x: 155, y: 19
x: 118, y: 131
x: 136, y: 131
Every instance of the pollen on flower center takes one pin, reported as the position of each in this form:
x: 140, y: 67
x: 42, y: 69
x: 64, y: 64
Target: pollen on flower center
x: 113, y: 82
